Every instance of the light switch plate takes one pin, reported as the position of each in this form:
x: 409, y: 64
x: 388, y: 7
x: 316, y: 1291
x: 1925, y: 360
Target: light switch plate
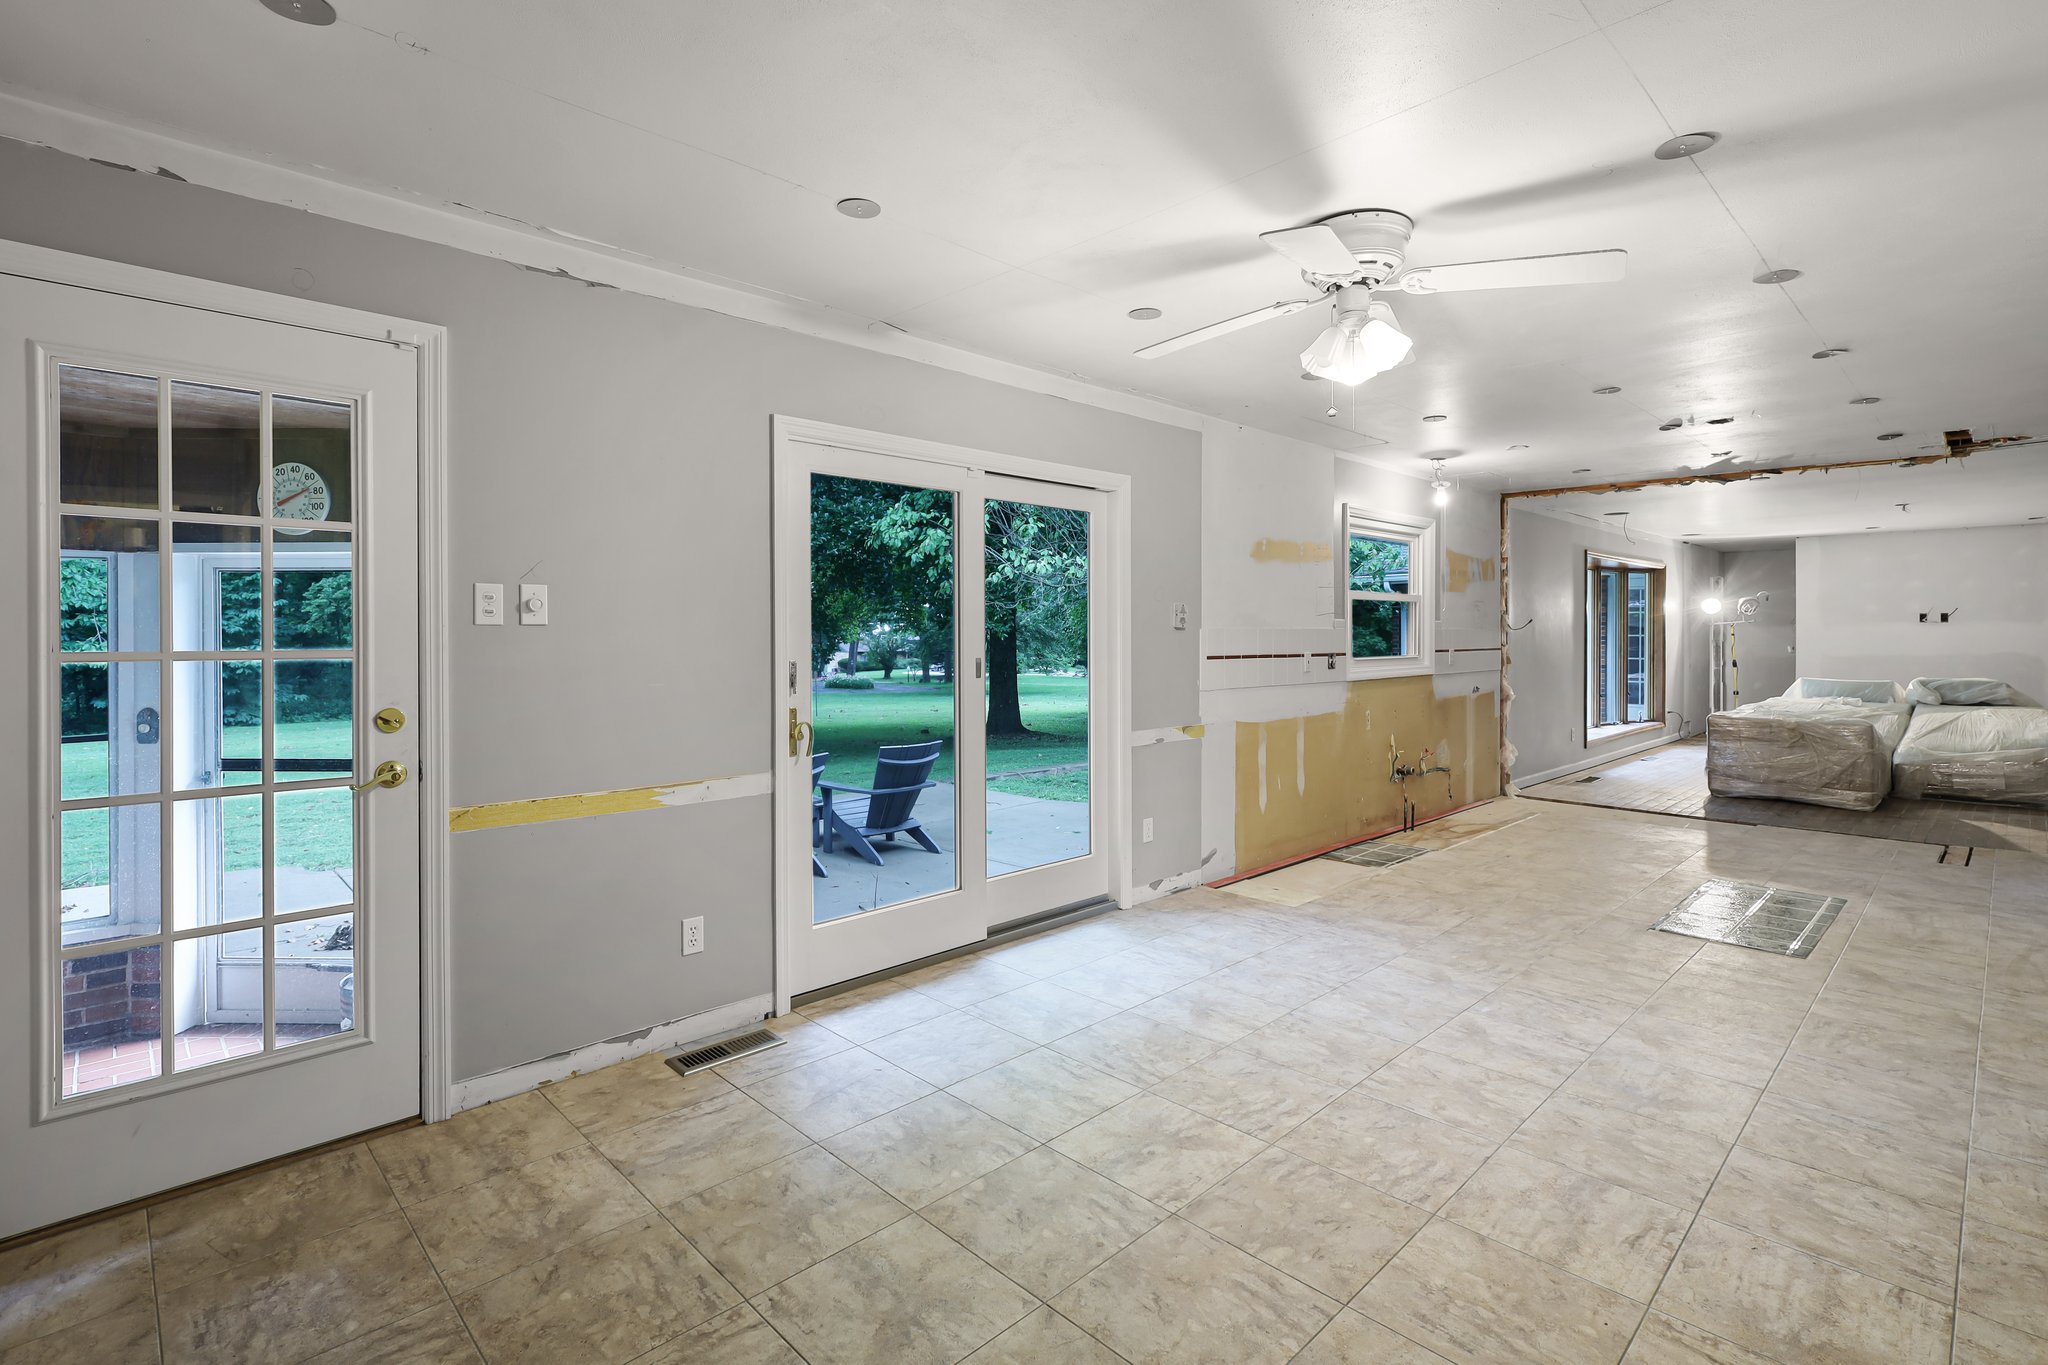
x: 533, y: 604
x: 490, y: 604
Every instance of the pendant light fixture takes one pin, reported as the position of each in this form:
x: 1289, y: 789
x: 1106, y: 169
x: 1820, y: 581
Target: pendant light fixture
x: 1362, y: 340
x: 1439, y: 486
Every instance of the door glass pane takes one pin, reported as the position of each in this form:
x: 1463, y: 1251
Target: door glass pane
x: 216, y: 723
x: 314, y: 976
x: 216, y: 449
x: 218, y: 861
x: 107, y: 443
x: 110, y: 883
x: 883, y: 706
x: 111, y: 1018
x: 1036, y: 696
x: 310, y: 446
x: 94, y: 700
x: 216, y: 587
x: 217, y: 1004
x: 107, y: 586
x: 315, y: 845
x: 315, y: 699
x: 312, y: 589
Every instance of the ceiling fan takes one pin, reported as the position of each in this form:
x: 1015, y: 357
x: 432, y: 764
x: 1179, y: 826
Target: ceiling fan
x: 1351, y: 256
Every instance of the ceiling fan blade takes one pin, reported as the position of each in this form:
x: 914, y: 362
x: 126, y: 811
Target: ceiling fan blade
x: 1314, y: 248
x: 1520, y: 272
x: 1217, y: 329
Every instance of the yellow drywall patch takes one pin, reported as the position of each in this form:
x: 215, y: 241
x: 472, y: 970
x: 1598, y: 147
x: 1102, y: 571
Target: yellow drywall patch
x: 625, y: 801
x: 1194, y: 731
x: 1290, y: 552
x: 1462, y: 571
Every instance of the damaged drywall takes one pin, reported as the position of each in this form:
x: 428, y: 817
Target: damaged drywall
x: 1307, y: 783
x: 1461, y: 571
x: 1272, y: 550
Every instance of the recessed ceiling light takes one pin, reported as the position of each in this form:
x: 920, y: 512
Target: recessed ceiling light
x: 1831, y: 352
x: 1685, y: 145
x: 1582, y: 471
x: 1143, y: 314
x: 1863, y: 402
x: 1777, y: 276
x: 1611, y: 388
x: 1890, y: 435
x: 1672, y: 425
x: 1719, y: 421
x: 1518, y: 447
x: 859, y: 208
x: 1872, y: 528
x: 1437, y: 417
x: 316, y: 12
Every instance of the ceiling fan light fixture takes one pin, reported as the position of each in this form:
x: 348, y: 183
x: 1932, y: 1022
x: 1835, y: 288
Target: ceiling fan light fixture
x: 1358, y: 344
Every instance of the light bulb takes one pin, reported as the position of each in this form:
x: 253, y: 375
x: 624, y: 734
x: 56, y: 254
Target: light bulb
x: 1711, y: 605
x: 1442, y: 494
x: 1361, y: 343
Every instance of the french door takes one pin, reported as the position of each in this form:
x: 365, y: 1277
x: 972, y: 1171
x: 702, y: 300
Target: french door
x: 218, y: 918
x: 942, y: 687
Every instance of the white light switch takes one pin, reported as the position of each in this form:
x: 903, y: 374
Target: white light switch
x: 490, y: 604
x: 533, y: 604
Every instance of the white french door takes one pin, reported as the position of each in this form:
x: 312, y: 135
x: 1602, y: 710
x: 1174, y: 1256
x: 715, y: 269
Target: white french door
x: 946, y: 691
x: 219, y: 938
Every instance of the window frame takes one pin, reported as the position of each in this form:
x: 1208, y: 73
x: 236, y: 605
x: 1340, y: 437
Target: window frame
x: 1656, y: 664
x: 1420, y: 533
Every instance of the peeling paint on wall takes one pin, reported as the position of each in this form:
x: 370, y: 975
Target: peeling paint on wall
x: 1270, y: 551
x: 1312, y: 782
x: 1462, y: 571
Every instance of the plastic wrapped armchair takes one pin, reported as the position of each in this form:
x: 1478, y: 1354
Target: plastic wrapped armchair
x: 902, y: 773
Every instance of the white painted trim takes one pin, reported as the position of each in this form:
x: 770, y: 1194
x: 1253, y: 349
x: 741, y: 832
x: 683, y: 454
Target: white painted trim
x: 431, y: 343
x: 1172, y: 734
x: 1655, y: 741
x: 517, y: 1080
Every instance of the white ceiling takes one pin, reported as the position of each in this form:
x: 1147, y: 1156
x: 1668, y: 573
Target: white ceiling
x: 1989, y: 488
x: 1046, y: 165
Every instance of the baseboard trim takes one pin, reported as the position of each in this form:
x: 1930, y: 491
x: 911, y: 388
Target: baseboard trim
x: 514, y: 1080
x: 1656, y: 741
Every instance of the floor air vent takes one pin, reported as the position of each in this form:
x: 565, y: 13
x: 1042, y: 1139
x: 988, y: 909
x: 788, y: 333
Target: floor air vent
x: 1767, y: 918
x: 708, y: 1055
x: 1372, y: 853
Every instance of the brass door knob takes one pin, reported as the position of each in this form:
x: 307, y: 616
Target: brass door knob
x: 390, y: 773
x: 389, y: 721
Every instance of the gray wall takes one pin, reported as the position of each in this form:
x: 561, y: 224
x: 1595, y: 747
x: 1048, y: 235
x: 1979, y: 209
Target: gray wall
x: 1766, y: 660
x: 616, y: 448
x: 1547, y: 654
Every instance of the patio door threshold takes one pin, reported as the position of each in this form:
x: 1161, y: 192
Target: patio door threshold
x: 1028, y: 927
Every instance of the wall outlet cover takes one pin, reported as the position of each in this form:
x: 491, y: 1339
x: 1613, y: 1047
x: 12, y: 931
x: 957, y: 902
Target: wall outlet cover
x: 693, y: 935
x: 490, y: 604
x: 1147, y: 836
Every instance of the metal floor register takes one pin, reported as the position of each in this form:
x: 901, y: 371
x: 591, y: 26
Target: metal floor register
x: 1767, y: 918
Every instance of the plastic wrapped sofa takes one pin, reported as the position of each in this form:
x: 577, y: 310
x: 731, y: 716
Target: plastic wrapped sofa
x: 1975, y: 753
x: 1824, y: 750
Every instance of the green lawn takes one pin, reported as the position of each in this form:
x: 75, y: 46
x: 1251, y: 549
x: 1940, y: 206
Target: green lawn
x: 313, y: 829
x: 852, y: 725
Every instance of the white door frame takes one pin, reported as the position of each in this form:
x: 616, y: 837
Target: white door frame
x: 429, y: 343
x: 792, y: 798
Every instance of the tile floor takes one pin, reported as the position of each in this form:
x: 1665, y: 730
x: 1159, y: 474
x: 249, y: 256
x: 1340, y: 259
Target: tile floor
x: 1465, y: 1109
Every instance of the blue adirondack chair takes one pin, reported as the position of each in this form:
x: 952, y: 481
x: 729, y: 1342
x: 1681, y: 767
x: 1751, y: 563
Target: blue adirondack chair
x: 902, y: 771
x: 817, y: 812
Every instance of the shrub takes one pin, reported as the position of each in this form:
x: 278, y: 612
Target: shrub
x: 847, y: 682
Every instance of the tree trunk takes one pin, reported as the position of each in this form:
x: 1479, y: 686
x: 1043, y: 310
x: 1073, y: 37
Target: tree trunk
x: 1005, y: 714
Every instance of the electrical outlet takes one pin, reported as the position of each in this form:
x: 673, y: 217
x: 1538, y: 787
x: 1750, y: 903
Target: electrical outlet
x: 693, y: 935
x: 490, y: 604
x: 1147, y: 835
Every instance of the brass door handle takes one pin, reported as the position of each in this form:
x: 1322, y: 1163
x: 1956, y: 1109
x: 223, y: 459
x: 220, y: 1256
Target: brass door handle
x: 800, y: 732
x: 390, y: 773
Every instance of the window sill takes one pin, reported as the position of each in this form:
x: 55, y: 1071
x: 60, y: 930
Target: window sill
x: 1603, y: 734
x: 1409, y: 667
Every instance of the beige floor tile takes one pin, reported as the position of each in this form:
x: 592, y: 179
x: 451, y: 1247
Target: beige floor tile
x: 127, y: 1337
x: 2005, y: 1275
x: 866, y: 1013
x: 1909, y: 1244
x: 1675, y: 1165
x: 738, y: 1336
x: 1475, y: 1098
x: 693, y: 1149
x: 1049, y: 954
x: 1795, y: 1307
x: 1327, y: 1039
x: 1332, y: 957
x: 1892, y: 1159
x: 1136, y: 1049
x: 803, y: 1042
x: 74, y: 1277
x: 609, y: 1299
x: 766, y: 1225
x: 259, y: 1215
x: 1044, y: 1220
x: 1271, y: 982
x: 636, y: 1090
x: 2012, y: 1194
x: 908, y: 1295
x: 928, y: 1148
x: 2012, y: 1112
x: 1980, y: 1341
x: 950, y: 1049
x: 436, y: 1336
x: 1596, y: 1230
x: 1471, y: 1299
x: 1212, y: 1011
x: 829, y: 1096
x: 1158, y: 1149
x: 1396, y: 1002
x: 1326, y: 1230
x: 1248, y: 1093
x: 1126, y: 979
x: 1355, y: 1339
x: 1301, y: 883
x: 1500, y: 1045
x: 1936, y: 1107
x: 1728, y: 1049
x: 428, y: 1160
x: 1666, y: 1093
x: 1043, y: 1336
x: 1581, y: 1018
x: 964, y: 980
x: 1664, y: 1340
x: 1397, y: 1151
x: 1179, y: 1294
x: 302, y: 1300
x: 1042, y: 1012
x: 481, y: 1231
x: 1043, y: 1093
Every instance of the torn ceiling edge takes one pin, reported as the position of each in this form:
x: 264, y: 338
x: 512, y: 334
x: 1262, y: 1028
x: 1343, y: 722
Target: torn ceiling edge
x: 1954, y: 452
x: 539, y: 249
